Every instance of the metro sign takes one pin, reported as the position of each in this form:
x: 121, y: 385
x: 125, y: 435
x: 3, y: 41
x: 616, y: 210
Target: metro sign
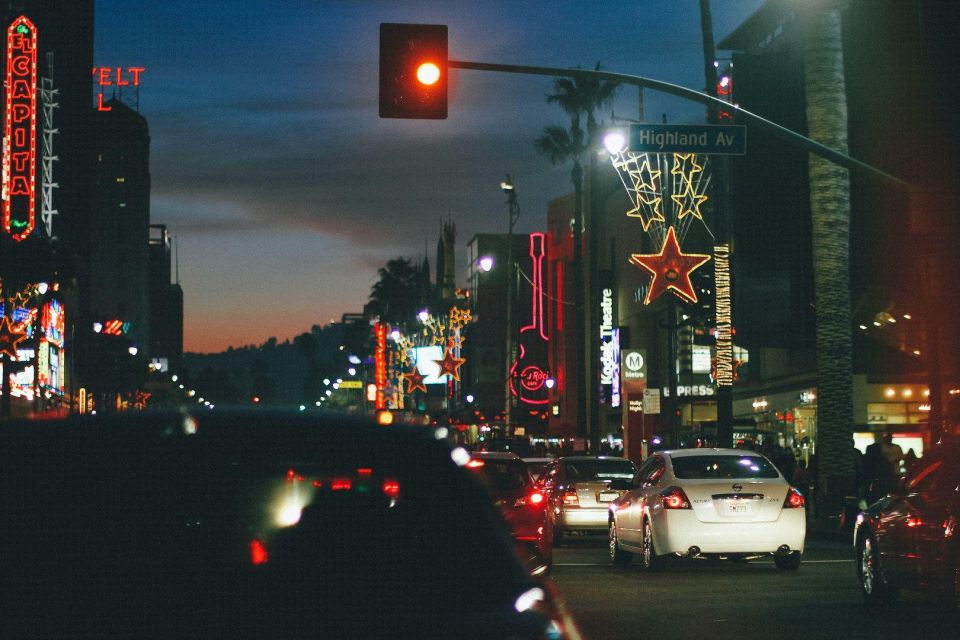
x: 20, y: 132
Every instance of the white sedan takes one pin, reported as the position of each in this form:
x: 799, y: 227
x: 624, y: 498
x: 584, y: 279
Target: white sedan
x: 702, y: 503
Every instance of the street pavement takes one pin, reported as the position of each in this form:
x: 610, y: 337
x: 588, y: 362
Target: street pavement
x: 717, y: 600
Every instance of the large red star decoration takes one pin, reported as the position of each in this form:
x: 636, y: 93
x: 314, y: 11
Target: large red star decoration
x: 671, y: 269
x: 10, y: 338
x: 414, y: 381
x: 450, y: 364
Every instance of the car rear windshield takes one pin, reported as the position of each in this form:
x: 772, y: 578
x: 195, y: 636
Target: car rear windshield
x: 586, y: 470
x: 504, y: 476
x: 723, y: 467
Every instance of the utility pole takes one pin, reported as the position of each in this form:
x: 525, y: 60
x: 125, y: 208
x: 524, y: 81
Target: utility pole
x: 513, y: 212
x: 722, y: 289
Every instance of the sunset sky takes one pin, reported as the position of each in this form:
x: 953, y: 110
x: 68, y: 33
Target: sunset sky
x: 285, y: 190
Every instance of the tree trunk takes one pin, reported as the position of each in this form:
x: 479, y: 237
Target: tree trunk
x: 830, y: 210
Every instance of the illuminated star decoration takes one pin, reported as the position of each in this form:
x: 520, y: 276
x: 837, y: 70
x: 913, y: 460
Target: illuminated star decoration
x: 10, y: 337
x: 458, y: 318
x: 450, y: 364
x: 671, y: 269
x: 414, y: 381
x: 680, y: 200
x: 639, y: 182
x: 642, y: 208
x: 679, y: 161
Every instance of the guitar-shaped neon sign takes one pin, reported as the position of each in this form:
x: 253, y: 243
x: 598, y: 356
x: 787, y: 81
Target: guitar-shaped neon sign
x: 528, y: 376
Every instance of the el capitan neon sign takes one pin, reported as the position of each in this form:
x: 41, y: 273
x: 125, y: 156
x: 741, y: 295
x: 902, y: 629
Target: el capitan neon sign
x: 20, y: 131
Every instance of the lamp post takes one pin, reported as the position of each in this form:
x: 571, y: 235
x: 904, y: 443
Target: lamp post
x: 513, y: 213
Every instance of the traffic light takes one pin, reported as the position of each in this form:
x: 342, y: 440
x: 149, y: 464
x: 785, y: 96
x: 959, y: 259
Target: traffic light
x: 413, y: 71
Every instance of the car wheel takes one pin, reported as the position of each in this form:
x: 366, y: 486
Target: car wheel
x: 873, y: 585
x: 651, y: 562
x: 618, y: 556
x: 787, y: 561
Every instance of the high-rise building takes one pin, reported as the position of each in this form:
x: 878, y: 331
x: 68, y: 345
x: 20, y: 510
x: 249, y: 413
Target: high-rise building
x: 165, y: 303
x: 901, y: 119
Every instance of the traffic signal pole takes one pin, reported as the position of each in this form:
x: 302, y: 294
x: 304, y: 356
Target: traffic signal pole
x: 790, y: 137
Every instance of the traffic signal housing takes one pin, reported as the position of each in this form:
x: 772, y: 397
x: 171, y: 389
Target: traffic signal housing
x: 413, y: 71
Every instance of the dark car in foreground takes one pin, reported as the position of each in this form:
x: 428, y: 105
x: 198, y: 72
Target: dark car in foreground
x: 909, y: 538
x: 254, y: 525
x: 522, y: 503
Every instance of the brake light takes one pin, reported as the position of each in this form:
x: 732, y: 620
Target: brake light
x: 258, y: 552
x: 570, y: 498
x: 475, y: 464
x: 674, y: 498
x: 535, y: 499
x: 391, y: 488
x: 794, y: 499
x: 341, y: 484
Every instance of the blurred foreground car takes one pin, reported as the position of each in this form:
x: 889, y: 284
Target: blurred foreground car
x: 254, y: 525
x: 578, y: 491
x: 910, y: 538
x: 522, y: 504
x: 702, y: 503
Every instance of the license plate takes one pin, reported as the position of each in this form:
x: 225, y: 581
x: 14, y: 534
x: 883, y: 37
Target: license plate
x: 608, y: 496
x: 737, y: 508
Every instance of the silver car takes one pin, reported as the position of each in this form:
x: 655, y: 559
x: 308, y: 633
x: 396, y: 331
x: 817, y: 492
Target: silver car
x: 578, y: 491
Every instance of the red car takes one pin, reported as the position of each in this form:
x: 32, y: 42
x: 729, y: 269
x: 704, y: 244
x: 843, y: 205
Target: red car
x: 522, y: 504
x: 911, y: 537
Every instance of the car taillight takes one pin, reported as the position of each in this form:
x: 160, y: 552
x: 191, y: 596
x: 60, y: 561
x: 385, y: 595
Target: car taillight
x: 391, y: 488
x: 341, y: 484
x: 475, y: 463
x: 674, y: 498
x: 258, y: 552
x: 534, y: 499
x: 570, y: 498
x: 794, y: 499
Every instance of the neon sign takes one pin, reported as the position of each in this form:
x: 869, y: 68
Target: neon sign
x: 527, y: 377
x: 724, y: 316
x: 380, y: 331
x: 52, y: 323
x: 20, y: 133
x: 115, y: 77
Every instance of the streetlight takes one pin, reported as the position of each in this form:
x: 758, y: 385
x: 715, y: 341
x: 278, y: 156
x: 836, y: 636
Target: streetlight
x: 485, y: 263
x: 513, y: 213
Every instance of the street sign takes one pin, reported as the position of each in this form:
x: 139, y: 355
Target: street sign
x: 634, y: 365
x: 651, y: 401
x: 710, y: 139
x: 351, y: 384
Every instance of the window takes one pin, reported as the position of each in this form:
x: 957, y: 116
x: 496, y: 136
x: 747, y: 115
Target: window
x: 723, y: 467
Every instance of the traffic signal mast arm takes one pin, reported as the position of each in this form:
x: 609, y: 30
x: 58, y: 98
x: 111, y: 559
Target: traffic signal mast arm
x: 791, y: 137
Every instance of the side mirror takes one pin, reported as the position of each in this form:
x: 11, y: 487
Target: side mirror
x: 619, y: 484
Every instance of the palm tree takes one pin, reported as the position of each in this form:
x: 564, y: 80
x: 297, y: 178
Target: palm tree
x: 580, y: 96
x: 398, y: 295
x: 830, y: 211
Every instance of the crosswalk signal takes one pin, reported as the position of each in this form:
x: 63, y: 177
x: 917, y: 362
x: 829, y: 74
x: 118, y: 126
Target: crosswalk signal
x: 413, y: 71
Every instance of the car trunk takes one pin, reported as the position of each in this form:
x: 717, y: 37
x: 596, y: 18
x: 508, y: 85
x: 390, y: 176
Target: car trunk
x: 595, y: 493
x: 735, y: 501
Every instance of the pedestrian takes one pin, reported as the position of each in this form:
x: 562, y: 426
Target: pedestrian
x: 801, y: 478
x: 893, y: 455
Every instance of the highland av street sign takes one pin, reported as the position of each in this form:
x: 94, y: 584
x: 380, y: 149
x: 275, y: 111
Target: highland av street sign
x: 712, y: 139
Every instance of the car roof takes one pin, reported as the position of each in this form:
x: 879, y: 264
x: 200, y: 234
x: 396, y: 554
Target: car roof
x: 495, y: 455
x: 584, y: 458
x: 690, y: 453
x: 539, y: 459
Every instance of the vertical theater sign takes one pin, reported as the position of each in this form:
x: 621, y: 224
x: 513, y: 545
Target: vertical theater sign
x: 20, y: 130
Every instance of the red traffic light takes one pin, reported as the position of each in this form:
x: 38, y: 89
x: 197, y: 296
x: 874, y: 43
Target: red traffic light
x: 413, y: 71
